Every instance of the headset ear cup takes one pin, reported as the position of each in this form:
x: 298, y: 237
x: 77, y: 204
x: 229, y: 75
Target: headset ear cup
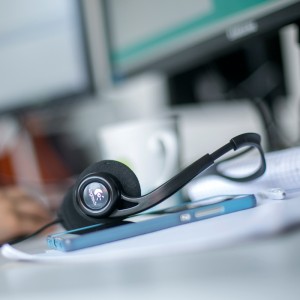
x: 125, y: 177
x: 73, y: 218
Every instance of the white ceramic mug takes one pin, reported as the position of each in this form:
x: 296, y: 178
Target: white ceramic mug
x: 149, y: 147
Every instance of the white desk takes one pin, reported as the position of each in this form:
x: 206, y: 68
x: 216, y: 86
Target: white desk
x: 268, y: 268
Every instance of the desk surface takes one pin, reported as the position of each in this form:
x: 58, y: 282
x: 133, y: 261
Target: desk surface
x: 262, y: 269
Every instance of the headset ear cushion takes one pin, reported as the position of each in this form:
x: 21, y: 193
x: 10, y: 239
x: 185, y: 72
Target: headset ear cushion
x: 126, y: 178
x: 69, y: 214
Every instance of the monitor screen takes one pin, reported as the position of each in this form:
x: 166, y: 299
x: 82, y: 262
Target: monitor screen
x: 168, y: 35
x: 43, y: 54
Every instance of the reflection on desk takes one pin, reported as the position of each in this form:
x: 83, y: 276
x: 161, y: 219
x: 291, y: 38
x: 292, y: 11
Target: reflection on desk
x: 268, y: 269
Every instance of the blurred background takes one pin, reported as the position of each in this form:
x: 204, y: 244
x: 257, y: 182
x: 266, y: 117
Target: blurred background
x: 70, y: 67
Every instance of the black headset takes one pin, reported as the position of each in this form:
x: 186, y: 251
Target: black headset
x: 108, y: 190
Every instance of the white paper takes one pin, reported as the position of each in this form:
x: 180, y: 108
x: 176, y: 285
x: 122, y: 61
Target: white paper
x: 283, y: 171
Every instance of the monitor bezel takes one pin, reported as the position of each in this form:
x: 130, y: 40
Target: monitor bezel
x: 206, y: 49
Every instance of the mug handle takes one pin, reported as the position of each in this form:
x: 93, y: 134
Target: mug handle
x: 167, y: 142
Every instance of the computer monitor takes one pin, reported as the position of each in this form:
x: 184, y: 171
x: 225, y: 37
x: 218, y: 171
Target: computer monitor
x: 43, y: 54
x: 172, y: 36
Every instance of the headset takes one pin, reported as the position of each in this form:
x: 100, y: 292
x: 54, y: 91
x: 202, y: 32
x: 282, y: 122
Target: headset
x: 109, y: 191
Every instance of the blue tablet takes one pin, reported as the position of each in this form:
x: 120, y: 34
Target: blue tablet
x: 145, y: 223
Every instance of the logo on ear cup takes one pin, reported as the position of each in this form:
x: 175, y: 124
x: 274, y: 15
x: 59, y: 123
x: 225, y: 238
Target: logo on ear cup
x: 95, y: 196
